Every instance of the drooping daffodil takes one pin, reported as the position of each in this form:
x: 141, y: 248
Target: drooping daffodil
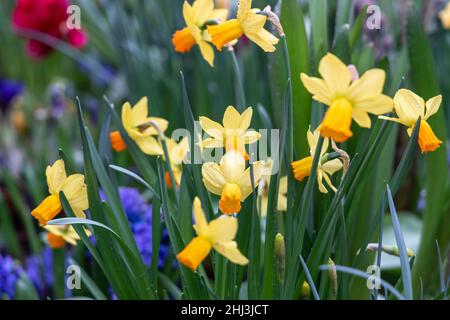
x: 247, y: 22
x: 409, y: 107
x: 231, y: 180
x: 196, y: 16
x: 72, y: 186
x: 347, y: 99
x: 58, y: 236
x: 302, y: 168
x: 135, y: 121
x: 218, y: 234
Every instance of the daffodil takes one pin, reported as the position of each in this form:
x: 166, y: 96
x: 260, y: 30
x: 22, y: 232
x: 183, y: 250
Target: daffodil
x: 218, y: 234
x: 302, y: 168
x: 347, y: 99
x: 72, y: 186
x: 263, y: 191
x: 409, y: 107
x: 135, y: 119
x: 444, y: 15
x: 57, y: 236
x: 177, y: 153
x: 196, y: 16
x: 233, y: 134
x: 117, y: 142
x: 231, y: 180
x: 247, y: 22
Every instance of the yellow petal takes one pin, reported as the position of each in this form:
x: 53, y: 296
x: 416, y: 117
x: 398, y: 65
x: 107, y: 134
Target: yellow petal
x: 408, y: 106
x: 75, y: 191
x: 220, y: 14
x: 369, y: 86
x: 322, y: 187
x: 179, y: 151
x: 214, y: 129
x: 264, y: 39
x: 432, y: 106
x: 56, y: 175
x: 213, y: 178
x: 245, y: 182
x: 140, y: 111
x: 222, y: 229
x: 244, y: 9
x: 336, y: 75
x: 212, y: 143
x: 160, y: 122
x: 231, y: 118
x: 207, y: 52
x: 230, y: 251
x: 251, y: 137
x: 332, y: 166
x: 318, y: 88
x: 394, y: 120
x: 282, y: 203
x: 149, y: 145
x: 379, y: 105
x: 232, y: 165
x: 201, y: 224
x: 188, y: 14
x: 362, y: 118
x: 328, y: 181
x: 246, y: 119
x: 283, y: 188
x: 202, y: 10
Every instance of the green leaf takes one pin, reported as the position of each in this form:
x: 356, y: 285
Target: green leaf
x: 406, y: 271
x: 89, y: 282
x: 424, y: 79
x: 82, y: 221
x: 299, y: 61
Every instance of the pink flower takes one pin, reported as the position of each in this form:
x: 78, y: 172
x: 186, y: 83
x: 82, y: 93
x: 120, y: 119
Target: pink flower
x: 48, y: 17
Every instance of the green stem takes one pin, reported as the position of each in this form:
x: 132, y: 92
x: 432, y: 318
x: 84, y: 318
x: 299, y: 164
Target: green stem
x: 238, y: 84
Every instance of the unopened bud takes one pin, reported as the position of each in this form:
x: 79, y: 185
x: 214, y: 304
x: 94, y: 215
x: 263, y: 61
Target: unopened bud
x: 392, y: 250
x: 333, y: 277
x: 280, y: 252
x: 306, y: 290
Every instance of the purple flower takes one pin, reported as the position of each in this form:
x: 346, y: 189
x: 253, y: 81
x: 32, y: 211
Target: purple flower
x: 9, y: 89
x: 139, y: 214
x: 9, y: 275
x: 39, y: 269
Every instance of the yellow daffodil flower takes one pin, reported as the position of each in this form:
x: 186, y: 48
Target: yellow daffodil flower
x: 347, y: 99
x: 73, y: 188
x: 133, y: 120
x: 57, y: 236
x: 195, y: 17
x: 302, y: 168
x: 248, y: 22
x: 263, y: 191
x: 409, y: 107
x: 231, y: 180
x: 218, y: 234
x: 177, y: 153
x: 444, y: 15
x: 233, y: 134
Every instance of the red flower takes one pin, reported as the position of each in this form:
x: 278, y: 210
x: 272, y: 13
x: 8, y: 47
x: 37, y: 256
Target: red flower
x: 48, y: 17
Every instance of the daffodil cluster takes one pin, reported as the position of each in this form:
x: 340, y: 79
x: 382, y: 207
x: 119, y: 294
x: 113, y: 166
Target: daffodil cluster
x: 206, y: 25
